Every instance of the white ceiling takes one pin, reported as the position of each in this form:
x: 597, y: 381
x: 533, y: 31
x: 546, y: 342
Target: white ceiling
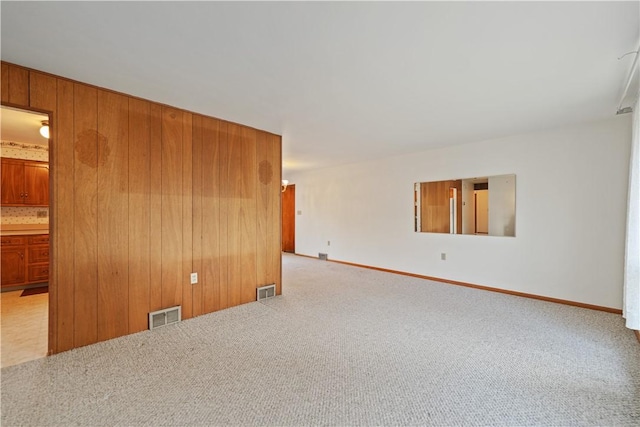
x: 22, y: 126
x: 344, y: 81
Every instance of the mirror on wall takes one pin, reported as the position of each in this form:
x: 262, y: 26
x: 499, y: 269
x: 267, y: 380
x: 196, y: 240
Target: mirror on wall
x: 484, y: 206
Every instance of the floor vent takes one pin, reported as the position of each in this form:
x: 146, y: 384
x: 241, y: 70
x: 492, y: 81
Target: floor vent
x: 265, y: 292
x: 165, y: 317
x: 323, y: 257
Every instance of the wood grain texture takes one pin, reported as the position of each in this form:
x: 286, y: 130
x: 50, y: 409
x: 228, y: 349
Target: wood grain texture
x: 268, y: 209
x: 274, y: 254
x: 143, y: 194
x: 18, y: 85
x: 187, y: 214
x: 155, y: 215
x: 42, y: 93
x: 62, y: 229
x: 171, y: 207
x: 139, y: 214
x: 211, y: 215
x: 197, y: 214
x: 85, y: 215
x: 113, y: 215
x: 226, y: 196
x: 264, y: 178
x: 248, y: 213
x: 4, y: 91
x: 235, y: 218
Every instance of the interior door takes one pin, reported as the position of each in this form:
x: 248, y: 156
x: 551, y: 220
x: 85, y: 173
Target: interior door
x: 289, y: 219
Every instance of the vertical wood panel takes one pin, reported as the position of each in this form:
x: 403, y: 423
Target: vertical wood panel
x: 171, y: 206
x: 18, y: 86
x: 197, y: 213
x: 42, y: 92
x: 85, y: 215
x: 155, y: 215
x: 187, y: 211
x: 63, y: 230
x: 210, y: 215
x: 139, y: 214
x: 263, y: 203
x: 248, y: 231
x: 234, y: 220
x: 113, y: 215
x: 274, y: 255
x: 4, y: 91
x: 224, y: 146
x: 143, y: 195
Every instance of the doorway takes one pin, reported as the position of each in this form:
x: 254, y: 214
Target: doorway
x: 289, y: 219
x: 482, y: 211
x: 24, y: 226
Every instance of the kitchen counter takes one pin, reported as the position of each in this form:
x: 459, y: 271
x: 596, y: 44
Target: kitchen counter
x: 23, y: 229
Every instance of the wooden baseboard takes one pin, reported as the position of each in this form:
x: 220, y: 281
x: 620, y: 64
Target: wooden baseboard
x: 637, y: 335
x: 484, y: 288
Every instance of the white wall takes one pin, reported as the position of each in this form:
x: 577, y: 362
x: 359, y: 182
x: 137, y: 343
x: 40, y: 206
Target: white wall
x: 502, y: 205
x: 570, y: 213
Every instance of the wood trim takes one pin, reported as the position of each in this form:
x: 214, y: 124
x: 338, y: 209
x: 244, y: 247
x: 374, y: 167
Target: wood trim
x: 637, y: 335
x: 481, y: 287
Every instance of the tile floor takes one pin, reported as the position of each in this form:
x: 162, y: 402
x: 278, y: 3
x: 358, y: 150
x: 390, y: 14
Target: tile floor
x: 24, y: 327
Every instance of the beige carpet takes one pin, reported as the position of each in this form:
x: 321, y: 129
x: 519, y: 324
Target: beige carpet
x: 347, y: 346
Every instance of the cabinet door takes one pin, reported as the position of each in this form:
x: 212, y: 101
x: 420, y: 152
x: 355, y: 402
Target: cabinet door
x: 36, y: 184
x: 12, y: 181
x: 13, y: 266
x: 38, y: 254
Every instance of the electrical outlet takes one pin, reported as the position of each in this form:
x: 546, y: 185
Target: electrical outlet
x: 328, y: 242
x: 443, y: 256
x: 194, y: 278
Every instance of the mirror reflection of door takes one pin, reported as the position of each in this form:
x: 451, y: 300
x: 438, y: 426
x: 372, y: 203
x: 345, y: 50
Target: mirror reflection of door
x: 482, y: 211
x: 289, y: 219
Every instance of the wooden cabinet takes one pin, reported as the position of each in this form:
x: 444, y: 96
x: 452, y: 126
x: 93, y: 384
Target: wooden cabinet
x: 25, y: 259
x: 24, y: 183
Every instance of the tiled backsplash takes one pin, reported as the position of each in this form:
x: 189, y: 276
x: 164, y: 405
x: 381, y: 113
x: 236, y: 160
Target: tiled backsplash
x: 24, y: 215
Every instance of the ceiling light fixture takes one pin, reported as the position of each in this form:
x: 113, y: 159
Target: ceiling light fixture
x: 44, y: 130
x: 285, y: 182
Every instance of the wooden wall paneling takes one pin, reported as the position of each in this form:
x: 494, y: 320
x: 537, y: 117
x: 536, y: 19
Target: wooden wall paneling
x: 248, y: 231
x: 210, y: 215
x: 235, y: 218
x: 43, y: 96
x: 197, y: 214
x: 226, y: 195
x: 61, y: 290
x: 139, y: 214
x: 18, y: 86
x: 187, y: 212
x: 85, y: 215
x: 275, y: 243
x: 264, y: 177
x: 4, y: 91
x: 155, y: 214
x: 42, y: 92
x: 113, y: 215
x: 171, y: 207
